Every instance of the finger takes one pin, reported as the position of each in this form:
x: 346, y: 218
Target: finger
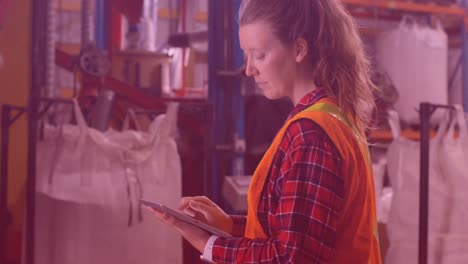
x: 152, y: 210
x: 201, y: 208
x: 160, y: 215
x: 167, y: 219
x: 189, y: 211
x: 204, y: 200
x: 184, y: 203
x: 184, y: 206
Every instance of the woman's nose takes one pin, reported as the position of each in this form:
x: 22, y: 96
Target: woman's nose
x: 250, y: 69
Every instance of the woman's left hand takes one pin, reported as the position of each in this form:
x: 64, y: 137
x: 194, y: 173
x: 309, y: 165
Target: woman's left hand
x: 197, y: 237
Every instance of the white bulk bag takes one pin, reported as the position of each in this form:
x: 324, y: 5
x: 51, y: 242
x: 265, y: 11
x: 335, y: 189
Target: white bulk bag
x: 415, y: 57
x: 139, y: 164
x: 379, y: 168
x: 160, y: 175
x: 403, y: 159
x: 72, y: 165
x: 455, y: 166
x: 403, y: 222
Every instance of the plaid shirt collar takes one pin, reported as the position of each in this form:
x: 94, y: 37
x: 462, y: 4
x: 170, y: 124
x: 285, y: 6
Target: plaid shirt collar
x: 309, y: 99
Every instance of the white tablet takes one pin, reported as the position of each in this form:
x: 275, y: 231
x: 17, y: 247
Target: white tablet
x: 186, y: 218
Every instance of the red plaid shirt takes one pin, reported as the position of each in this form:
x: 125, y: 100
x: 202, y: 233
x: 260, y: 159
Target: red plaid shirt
x: 300, y: 202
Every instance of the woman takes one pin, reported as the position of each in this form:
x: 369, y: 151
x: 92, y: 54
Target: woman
x: 311, y: 199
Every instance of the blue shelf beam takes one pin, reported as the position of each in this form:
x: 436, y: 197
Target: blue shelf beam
x: 465, y: 59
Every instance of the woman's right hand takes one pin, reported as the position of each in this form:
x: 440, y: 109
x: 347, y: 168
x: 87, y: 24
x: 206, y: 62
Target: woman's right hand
x: 205, y: 210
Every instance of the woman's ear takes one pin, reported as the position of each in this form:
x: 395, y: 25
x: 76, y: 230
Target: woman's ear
x: 301, y: 48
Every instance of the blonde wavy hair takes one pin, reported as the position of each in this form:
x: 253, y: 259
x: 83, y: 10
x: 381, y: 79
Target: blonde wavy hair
x: 336, y: 51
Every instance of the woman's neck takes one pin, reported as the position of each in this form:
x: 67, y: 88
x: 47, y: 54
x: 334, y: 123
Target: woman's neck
x: 303, y: 81
x: 301, y: 88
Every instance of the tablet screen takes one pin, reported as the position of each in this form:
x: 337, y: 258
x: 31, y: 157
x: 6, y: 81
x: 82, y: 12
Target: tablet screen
x: 186, y: 218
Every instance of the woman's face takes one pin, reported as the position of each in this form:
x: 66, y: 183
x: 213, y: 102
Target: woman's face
x: 268, y: 60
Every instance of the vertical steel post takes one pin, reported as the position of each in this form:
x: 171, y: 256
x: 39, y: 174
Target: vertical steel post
x: 38, y: 82
x: 425, y: 115
x: 238, y: 162
x: 102, y: 24
x: 5, y: 119
x: 465, y: 58
x: 215, y: 91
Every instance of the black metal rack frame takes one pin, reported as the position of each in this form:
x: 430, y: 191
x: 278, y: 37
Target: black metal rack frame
x: 425, y: 112
x: 7, y: 120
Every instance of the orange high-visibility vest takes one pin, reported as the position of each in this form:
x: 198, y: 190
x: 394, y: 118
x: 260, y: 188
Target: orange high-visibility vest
x: 357, y: 238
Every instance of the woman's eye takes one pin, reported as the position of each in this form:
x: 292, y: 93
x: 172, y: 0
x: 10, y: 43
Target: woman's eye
x: 260, y: 57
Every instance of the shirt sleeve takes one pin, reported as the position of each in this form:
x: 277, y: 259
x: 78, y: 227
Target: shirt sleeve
x: 208, y: 251
x: 311, y: 199
x: 239, y: 223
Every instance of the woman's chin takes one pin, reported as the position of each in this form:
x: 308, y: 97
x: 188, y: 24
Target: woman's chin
x: 270, y: 93
x: 271, y: 96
